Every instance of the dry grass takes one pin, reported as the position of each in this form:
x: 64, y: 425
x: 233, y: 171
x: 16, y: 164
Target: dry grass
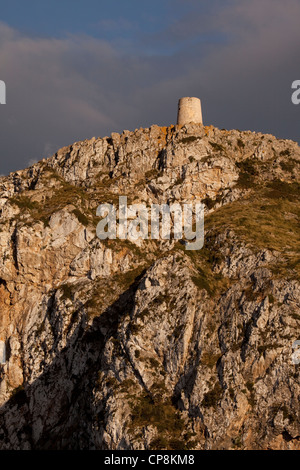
x: 268, y: 219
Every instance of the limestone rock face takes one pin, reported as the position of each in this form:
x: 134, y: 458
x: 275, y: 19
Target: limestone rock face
x: 119, y: 344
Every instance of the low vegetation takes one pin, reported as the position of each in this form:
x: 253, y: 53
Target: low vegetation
x: 268, y: 219
x: 152, y: 410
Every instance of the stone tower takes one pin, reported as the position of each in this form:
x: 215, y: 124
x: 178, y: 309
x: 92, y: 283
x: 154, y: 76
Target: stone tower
x: 189, y: 110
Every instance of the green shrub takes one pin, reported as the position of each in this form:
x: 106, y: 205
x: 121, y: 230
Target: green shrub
x: 154, y: 363
x: 217, y: 147
x: 212, y: 397
x: 209, y: 359
x: 83, y: 219
x: 67, y: 291
x: 210, y: 203
x: 283, y: 190
x: 247, y: 173
x: 285, y: 153
x: 134, y: 328
x: 24, y: 202
x: 189, y: 139
x: 271, y: 298
x: 288, y: 166
x: 240, y: 143
x: 159, y: 443
x: 152, y: 409
x: 18, y: 396
x: 144, y: 314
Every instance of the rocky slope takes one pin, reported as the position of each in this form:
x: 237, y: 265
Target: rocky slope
x: 118, y: 344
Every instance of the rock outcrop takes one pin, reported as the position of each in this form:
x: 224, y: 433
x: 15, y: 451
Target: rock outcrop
x: 120, y: 344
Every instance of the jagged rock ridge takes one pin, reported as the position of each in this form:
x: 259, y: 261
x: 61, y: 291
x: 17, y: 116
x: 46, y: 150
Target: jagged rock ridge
x: 121, y: 345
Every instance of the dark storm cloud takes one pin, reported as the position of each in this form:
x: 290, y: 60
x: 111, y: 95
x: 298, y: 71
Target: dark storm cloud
x: 239, y: 57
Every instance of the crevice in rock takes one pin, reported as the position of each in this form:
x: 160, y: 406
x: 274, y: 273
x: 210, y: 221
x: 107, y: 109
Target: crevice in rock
x: 14, y: 239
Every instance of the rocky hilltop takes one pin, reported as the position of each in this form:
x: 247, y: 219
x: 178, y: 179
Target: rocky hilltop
x: 117, y: 344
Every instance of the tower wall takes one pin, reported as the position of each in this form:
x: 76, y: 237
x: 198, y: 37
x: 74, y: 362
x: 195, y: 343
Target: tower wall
x: 189, y: 110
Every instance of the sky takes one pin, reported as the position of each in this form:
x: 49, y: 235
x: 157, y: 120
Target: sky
x: 78, y: 69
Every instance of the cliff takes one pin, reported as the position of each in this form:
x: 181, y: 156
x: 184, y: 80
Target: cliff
x: 144, y: 345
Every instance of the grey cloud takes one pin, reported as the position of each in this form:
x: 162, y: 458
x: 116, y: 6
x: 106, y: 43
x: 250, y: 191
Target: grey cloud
x: 63, y: 90
x: 244, y: 82
x: 116, y: 24
x: 58, y: 91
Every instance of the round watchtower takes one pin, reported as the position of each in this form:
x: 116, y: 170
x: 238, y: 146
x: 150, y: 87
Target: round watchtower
x: 189, y: 110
